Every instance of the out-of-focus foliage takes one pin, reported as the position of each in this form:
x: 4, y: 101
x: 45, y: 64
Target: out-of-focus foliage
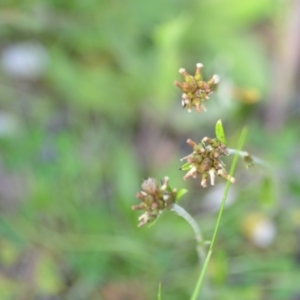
x: 88, y: 110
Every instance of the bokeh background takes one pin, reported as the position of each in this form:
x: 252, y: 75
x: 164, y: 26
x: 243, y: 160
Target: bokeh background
x: 88, y: 110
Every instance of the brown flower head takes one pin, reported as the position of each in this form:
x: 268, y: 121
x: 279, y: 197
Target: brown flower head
x: 195, y: 89
x: 205, y: 160
x: 155, y: 198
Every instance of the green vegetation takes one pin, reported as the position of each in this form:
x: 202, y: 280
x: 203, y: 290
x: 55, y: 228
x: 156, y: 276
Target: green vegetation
x: 102, y: 114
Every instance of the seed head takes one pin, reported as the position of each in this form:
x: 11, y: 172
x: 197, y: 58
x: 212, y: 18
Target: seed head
x: 155, y: 198
x: 205, y: 160
x: 195, y: 89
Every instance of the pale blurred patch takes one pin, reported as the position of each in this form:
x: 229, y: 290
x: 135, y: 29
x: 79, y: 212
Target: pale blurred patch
x: 259, y: 229
x: 8, y: 124
x: 212, y: 200
x: 26, y: 60
x: 246, y: 95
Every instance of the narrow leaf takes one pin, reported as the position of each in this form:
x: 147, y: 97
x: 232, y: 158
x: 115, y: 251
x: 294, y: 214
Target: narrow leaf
x: 220, y: 134
x: 186, y: 167
x: 180, y: 193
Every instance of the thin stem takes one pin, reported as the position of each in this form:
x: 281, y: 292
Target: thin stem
x: 159, y: 292
x: 232, y: 169
x: 201, y: 277
x: 184, y: 214
x: 252, y: 159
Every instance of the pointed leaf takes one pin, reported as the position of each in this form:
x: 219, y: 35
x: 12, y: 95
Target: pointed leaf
x: 220, y: 134
x: 186, y: 167
x: 180, y: 193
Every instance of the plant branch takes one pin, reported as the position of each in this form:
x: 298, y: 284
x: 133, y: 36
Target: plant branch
x: 184, y: 214
x: 249, y: 159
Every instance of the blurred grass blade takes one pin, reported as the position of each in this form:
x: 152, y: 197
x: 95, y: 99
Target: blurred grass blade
x: 267, y: 192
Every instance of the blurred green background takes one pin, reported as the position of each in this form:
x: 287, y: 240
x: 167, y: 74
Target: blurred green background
x: 88, y: 110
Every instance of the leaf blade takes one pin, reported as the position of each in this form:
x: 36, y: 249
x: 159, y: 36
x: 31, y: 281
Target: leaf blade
x: 180, y: 193
x: 220, y: 133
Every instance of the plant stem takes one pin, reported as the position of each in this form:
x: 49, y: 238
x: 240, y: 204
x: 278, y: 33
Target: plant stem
x: 159, y: 292
x: 184, y: 214
x: 232, y: 169
x: 255, y: 160
x: 201, y: 277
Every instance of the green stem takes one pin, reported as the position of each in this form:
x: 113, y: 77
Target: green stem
x: 252, y: 159
x: 184, y: 214
x: 207, y: 259
x: 201, y: 277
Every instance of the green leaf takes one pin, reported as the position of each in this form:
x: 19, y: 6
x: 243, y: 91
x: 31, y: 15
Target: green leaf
x: 180, y: 193
x: 220, y: 134
x: 186, y: 167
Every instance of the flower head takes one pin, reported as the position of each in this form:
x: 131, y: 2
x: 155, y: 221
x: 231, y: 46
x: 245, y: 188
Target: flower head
x: 155, y: 198
x: 195, y: 89
x: 205, y: 160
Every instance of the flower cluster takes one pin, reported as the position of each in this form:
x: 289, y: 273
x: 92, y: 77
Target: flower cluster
x: 195, y: 89
x: 155, y: 198
x: 205, y: 160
